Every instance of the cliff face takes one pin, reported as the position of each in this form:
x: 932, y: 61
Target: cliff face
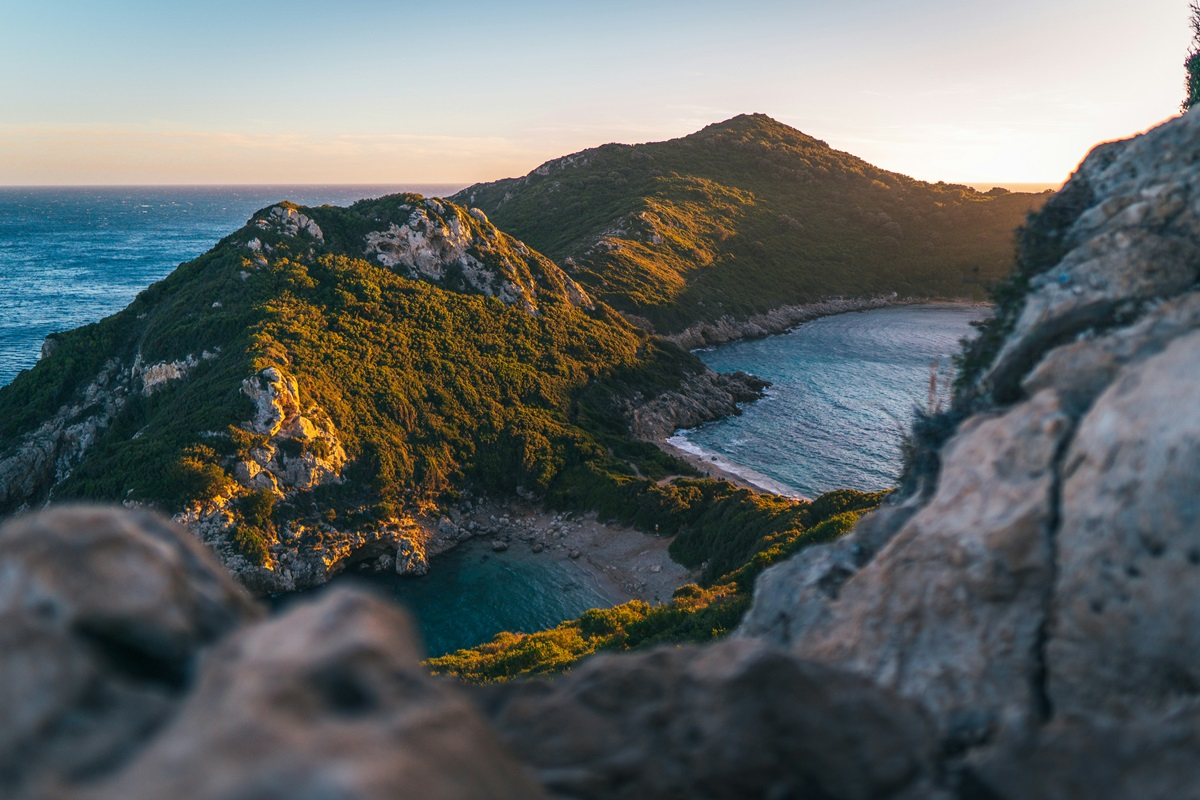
x: 1047, y: 573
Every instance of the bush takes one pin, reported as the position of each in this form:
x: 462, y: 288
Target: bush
x: 251, y: 544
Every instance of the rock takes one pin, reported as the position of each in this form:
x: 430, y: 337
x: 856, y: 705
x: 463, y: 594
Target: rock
x: 538, y: 547
x: 734, y: 720
x: 103, y: 616
x: 411, y: 558
x: 328, y: 700
x: 288, y: 221
x: 447, y: 245
x: 950, y: 611
x: 574, y: 554
x: 795, y: 597
x: 1127, y: 604
x: 703, y: 397
x: 1072, y: 759
x: 499, y: 546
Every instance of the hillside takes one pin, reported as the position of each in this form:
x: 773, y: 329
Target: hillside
x: 307, y: 394
x: 748, y: 215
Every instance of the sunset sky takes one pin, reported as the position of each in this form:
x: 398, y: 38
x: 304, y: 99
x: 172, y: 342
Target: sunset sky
x: 391, y: 91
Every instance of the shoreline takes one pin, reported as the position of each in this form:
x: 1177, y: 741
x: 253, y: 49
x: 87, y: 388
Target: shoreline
x: 776, y: 322
x: 621, y: 563
x: 720, y: 468
x: 784, y: 318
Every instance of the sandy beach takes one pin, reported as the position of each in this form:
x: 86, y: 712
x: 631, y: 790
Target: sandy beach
x: 622, y: 563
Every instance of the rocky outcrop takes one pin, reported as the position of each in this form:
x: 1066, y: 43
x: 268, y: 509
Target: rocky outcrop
x: 448, y: 245
x: 734, y: 720
x: 288, y: 220
x: 132, y: 666
x: 103, y: 617
x: 778, y: 320
x: 1046, y: 569
x: 702, y: 397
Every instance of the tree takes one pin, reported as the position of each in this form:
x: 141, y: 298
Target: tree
x: 1192, y: 63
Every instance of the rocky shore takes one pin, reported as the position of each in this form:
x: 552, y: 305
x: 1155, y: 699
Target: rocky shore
x: 782, y: 319
x: 621, y: 562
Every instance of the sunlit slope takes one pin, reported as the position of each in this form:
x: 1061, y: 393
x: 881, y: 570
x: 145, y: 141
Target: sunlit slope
x: 747, y: 215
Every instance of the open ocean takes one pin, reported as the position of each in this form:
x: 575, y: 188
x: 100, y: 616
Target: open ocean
x: 70, y: 256
x: 843, y: 394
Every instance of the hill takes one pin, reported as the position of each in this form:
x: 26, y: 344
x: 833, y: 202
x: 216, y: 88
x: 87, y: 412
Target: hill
x: 748, y: 215
x: 306, y: 394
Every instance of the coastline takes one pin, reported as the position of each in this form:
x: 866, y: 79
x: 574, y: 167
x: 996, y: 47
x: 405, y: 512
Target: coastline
x: 773, y: 323
x: 782, y: 319
x: 622, y: 563
x: 720, y: 468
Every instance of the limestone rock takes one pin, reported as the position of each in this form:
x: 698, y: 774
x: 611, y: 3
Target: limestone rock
x: 734, y: 720
x: 701, y: 398
x: 1072, y: 759
x: 950, y: 611
x: 796, y: 596
x: 290, y: 222
x: 1130, y: 236
x: 328, y: 700
x: 1127, y: 604
x: 450, y: 246
x: 103, y: 614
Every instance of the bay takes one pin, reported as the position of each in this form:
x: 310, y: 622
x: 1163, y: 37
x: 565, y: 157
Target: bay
x: 843, y: 395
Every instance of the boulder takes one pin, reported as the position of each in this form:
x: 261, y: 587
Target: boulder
x: 103, y: 616
x: 737, y: 719
x: 328, y: 700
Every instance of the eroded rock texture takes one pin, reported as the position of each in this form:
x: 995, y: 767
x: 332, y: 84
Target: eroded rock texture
x: 132, y: 666
x: 1048, y: 567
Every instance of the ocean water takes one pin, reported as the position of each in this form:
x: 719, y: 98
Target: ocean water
x: 844, y: 392
x: 70, y: 256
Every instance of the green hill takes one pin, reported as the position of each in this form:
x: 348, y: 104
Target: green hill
x: 302, y: 393
x: 748, y: 215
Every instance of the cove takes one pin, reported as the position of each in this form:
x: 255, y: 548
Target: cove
x: 844, y: 391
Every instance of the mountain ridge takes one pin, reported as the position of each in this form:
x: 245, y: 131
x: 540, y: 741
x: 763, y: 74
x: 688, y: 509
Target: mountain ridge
x: 747, y: 215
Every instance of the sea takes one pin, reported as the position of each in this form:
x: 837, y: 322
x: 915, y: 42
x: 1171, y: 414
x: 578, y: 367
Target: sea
x: 843, y: 392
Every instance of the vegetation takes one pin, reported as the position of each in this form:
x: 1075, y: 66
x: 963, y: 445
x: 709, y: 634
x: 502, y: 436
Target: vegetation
x: 430, y: 389
x: 747, y: 215
x: 1191, y: 64
x: 697, y: 612
x: 435, y: 386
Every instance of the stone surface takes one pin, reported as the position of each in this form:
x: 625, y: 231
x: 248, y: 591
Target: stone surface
x: 734, y: 720
x: 103, y: 614
x: 1127, y: 607
x: 949, y: 612
x: 461, y: 250
x: 1072, y: 759
x: 701, y: 398
x: 1046, y: 588
x: 326, y: 701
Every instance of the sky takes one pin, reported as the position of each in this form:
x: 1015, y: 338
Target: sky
x: 395, y: 91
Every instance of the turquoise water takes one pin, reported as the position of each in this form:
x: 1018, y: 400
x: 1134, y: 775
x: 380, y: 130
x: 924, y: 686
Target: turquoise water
x: 471, y: 593
x: 843, y: 396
